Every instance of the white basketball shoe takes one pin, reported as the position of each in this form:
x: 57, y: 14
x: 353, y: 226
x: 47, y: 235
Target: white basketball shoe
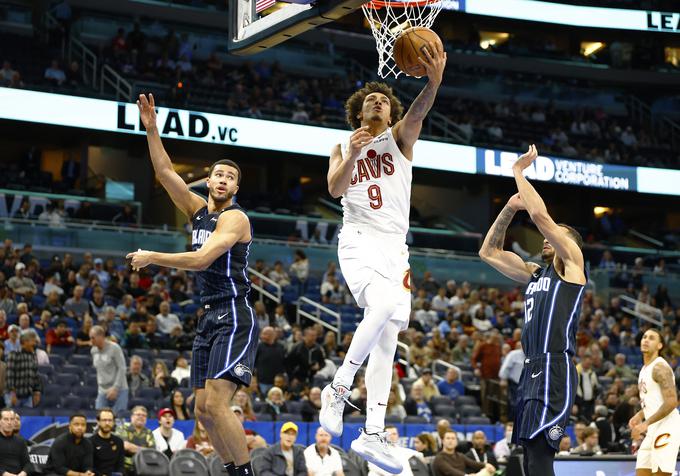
x: 333, y: 401
x: 375, y: 448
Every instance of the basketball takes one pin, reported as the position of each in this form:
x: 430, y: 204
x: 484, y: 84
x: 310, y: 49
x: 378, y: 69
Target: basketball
x: 409, y: 46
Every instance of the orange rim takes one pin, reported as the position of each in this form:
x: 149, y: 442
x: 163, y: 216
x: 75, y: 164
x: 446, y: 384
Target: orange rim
x: 377, y: 4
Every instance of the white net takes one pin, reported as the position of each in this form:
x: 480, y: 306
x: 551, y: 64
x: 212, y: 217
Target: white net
x: 388, y: 21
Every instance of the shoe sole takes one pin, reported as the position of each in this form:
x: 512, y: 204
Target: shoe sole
x: 371, y: 458
x: 324, y: 405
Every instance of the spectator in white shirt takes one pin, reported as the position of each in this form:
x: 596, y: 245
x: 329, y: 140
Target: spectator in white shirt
x: 54, y: 74
x: 168, y: 439
x: 427, y: 317
x: 502, y: 448
x: 300, y: 266
x: 52, y: 284
x: 321, y: 459
x: 440, y: 302
x: 166, y: 321
x: 458, y: 298
x: 279, y: 275
x: 182, y: 370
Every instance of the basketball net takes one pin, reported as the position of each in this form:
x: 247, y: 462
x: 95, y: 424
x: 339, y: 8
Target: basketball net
x: 388, y: 18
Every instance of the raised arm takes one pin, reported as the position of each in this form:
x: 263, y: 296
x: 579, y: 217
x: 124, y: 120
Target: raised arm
x: 188, y: 202
x: 565, y: 247
x: 232, y: 227
x: 340, y: 168
x: 492, y: 252
x: 407, y: 131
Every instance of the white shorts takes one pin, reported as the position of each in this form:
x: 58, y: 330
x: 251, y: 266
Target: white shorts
x: 366, y: 255
x: 659, y: 449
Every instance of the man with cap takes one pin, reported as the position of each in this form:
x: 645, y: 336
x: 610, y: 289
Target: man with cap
x: 12, y: 343
x: 282, y: 458
x: 168, y: 439
x: 102, y: 275
x: 321, y: 459
x: 429, y: 387
x: 21, y: 284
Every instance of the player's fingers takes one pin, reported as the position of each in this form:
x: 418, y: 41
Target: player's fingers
x: 151, y: 100
x: 427, y: 51
x: 440, y: 48
x: 129, y: 255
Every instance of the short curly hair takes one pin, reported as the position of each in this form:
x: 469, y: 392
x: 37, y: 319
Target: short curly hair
x: 356, y: 101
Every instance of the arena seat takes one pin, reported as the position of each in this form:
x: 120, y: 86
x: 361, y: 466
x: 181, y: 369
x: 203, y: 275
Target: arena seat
x: 190, y: 453
x: 151, y: 462
x: 415, y: 419
x: 216, y: 467
x: 418, y: 467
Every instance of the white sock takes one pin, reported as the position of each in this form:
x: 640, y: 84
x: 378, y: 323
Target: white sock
x: 376, y: 316
x: 379, y: 377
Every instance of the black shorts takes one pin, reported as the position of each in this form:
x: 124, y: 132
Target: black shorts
x: 545, y: 396
x: 226, y: 343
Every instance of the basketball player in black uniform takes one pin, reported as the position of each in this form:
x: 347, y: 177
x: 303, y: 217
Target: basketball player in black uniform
x: 226, y: 336
x: 552, y: 306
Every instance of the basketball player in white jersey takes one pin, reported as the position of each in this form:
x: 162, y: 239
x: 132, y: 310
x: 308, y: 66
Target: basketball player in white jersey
x: 658, y: 451
x: 372, y: 173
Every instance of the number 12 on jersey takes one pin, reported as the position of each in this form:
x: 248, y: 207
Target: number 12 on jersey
x: 528, y: 307
x: 375, y: 196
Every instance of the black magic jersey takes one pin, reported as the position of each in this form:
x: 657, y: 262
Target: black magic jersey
x: 552, y: 308
x: 227, y: 276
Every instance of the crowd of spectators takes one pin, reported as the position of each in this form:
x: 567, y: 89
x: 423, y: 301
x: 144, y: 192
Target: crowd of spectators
x: 138, y: 329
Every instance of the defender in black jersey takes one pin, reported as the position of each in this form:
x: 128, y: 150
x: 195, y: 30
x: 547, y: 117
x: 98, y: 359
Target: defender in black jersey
x: 552, y: 306
x: 227, y: 334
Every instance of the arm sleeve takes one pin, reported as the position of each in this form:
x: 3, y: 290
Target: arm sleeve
x: 58, y: 458
x: 11, y: 384
x: 121, y: 380
x: 88, y: 460
x: 470, y: 463
x: 26, y: 464
x: 120, y: 463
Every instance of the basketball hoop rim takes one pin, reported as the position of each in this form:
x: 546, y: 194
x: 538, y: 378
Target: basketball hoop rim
x: 378, y: 4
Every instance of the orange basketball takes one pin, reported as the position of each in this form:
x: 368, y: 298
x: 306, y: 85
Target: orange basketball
x: 410, y: 45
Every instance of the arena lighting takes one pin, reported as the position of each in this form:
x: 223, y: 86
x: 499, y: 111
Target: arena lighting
x: 591, y: 47
x: 574, y: 15
x: 599, y: 211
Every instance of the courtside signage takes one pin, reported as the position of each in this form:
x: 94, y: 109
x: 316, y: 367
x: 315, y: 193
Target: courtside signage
x: 112, y: 116
x: 575, y: 15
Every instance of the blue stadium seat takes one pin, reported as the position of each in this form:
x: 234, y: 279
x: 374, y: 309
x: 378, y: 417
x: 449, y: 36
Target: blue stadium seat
x: 263, y: 417
x: 414, y: 419
x: 445, y: 410
x: 392, y: 419
x: 168, y: 355
x: 150, y: 392
x: 29, y: 412
x: 146, y: 402
x: 53, y: 412
x: 64, y: 352
x: 71, y: 369
x: 68, y: 380
x: 465, y: 400
x: 469, y: 410
x: 354, y: 418
x: 190, y: 308
x: 80, y: 360
x: 85, y: 392
x: 90, y: 380
x: 441, y: 401
x: 146, y: 354
x: 46, y: 369
x: 476, y: 420
x: 56, y: 360
x: 73, y: 402
x: 294, y: 407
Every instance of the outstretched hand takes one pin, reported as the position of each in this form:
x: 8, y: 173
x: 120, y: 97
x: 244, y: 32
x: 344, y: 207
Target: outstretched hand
x: 140, y: 259
x: 525, y: 160
x: 147, y: 110
x: 434, y: 61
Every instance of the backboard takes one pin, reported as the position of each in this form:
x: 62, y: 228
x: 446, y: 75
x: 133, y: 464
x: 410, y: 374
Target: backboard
x: 255, y: 25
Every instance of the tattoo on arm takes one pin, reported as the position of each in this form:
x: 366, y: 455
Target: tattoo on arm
x: 663, y: 375
x: 423, y: 103
x: 500, y: 226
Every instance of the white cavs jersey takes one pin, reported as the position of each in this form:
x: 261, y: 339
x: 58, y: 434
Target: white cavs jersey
x: 379, y: 194
x: 659, y: 449
x: 376, y: 210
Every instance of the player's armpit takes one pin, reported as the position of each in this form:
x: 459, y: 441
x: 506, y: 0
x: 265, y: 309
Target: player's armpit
x: 232, y: 227
x: 565, y: 247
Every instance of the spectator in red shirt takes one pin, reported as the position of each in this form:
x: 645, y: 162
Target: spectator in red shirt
x: 59, y: 337
x: 3, y: 326
x: 486, y: 359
